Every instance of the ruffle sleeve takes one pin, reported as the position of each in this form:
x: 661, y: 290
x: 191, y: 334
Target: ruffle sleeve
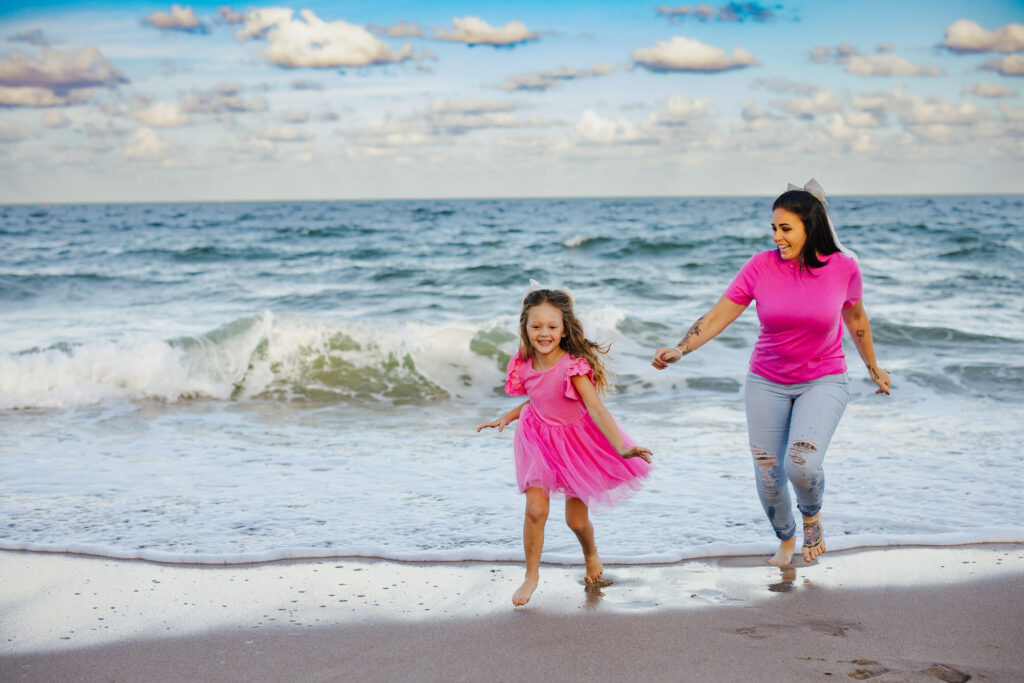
x: 576, y: 366
x: 513, y: 384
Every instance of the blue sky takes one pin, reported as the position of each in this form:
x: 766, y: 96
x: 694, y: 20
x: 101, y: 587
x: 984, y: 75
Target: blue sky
x: 206, y: 101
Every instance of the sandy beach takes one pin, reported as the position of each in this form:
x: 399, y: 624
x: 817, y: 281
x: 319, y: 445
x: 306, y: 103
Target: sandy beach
x: 905, y: 614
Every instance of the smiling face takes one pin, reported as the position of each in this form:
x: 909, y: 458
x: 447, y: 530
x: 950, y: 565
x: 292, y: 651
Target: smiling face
x: 545, y: 329
x: 789, y: 234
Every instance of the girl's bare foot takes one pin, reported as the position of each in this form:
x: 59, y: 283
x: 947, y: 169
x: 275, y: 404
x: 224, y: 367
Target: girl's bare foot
x: 784, y: 556
x: 814, y: 539
x: 524, y: 592
x: 594, y: 570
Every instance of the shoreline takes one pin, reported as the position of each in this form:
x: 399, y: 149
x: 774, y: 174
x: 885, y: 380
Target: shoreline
x: 982, y: 536
x: 885, y: 614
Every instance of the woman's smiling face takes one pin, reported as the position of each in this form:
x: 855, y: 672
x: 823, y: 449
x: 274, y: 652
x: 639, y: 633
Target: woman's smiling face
x: 789, y: 234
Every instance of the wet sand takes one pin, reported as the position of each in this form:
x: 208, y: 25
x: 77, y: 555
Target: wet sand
x: 900, y: 614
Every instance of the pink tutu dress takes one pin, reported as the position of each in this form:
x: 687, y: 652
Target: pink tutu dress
x: 557, y: 445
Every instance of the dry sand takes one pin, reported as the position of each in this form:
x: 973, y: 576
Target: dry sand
x: 907, y: 614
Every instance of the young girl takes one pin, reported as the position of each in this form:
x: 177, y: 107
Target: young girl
x: 567, y: 443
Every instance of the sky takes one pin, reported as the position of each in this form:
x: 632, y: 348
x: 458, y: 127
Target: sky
x: 139, y: 101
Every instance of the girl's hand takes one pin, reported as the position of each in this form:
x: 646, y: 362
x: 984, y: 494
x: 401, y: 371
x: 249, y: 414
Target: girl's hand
x: 662, y: 357
x: 637, y: 452
x: 880, y: 376
x: 500, y: 423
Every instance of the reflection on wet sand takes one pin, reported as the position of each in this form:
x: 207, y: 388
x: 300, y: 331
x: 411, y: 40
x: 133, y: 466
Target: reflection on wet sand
x: 787, y: 576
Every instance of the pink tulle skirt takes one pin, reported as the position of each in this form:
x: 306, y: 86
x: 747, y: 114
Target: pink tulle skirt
x: 574, y: 461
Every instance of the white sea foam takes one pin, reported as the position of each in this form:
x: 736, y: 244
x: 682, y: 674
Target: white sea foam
x: 250, y: 356
x: 490, y: 554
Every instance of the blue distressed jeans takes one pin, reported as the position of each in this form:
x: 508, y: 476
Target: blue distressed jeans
x: 790, y: 427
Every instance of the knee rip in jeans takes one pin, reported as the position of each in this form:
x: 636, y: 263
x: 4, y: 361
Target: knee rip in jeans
x: 765, y: 462
x: 797, y: 450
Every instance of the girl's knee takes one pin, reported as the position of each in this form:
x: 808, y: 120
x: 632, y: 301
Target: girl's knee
x: 577, y: 523
x: 536, y: 511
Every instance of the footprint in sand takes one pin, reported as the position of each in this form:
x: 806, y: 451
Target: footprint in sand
x: 869, y: 669
x: 947, y: 673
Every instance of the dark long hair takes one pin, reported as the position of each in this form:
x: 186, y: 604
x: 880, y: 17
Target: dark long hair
x: 812, y: 213
x: 573, y: 342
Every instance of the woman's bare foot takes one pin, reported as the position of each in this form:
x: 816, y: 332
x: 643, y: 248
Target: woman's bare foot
x: 594, y: 570
x: 814, y: 539
x: 524, y: 592
x: 784, y: 556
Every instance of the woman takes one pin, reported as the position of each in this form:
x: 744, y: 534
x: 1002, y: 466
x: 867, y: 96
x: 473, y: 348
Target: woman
x: 797, y: 386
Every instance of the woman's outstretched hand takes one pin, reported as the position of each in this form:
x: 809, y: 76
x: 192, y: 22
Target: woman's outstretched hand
x: 637, y: 452
x: 662, y: 357
x: 880, y: 376
x: 500, y: 423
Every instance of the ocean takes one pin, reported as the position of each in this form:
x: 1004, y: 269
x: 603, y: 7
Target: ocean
x: 243, y: 382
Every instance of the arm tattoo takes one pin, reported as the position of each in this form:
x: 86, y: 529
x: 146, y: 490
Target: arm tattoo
x: 874, y: 373
x: 694, y: 331
x: 861, y: 333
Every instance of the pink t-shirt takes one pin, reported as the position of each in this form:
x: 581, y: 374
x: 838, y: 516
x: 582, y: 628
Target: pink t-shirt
x: 800, y: 314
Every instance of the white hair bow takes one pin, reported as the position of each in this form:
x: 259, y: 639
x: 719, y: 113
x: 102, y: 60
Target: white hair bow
x: 814, y: 188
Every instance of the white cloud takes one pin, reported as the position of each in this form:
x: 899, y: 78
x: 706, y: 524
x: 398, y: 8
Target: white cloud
x: 752, y: 111
x: 702, y: 12
x: 841, y: 128
x: 283, y: 133
x: 862, y: 119
x: 230, y: 16
x: 1012, y: 113
x: 964, y: 35
x: 55, y: 119
x: 14, y: 132
x: 82, y: 68
x: 146, y: 145
x: 476, y: 31
x: 178, y: 19
x: 40, y: 97
x: 821, y: 102
x: 882, y: 48
x: 460, y: 117
x: 887, y: 65
x: 678, y: 110
x: 160, y: 114
x: 386, y: 134
x: 733, y: 11
x: 916, y: 111
x: 591, y: 128
x: 545, y: 80
x: 224, y: 99
x: 784, y: 85
x: 402, y: 30
x: 295, y: 116
x: 989, y: 90
x: 821, y: 54
x: 1011, y: 65
x: 686, y: 54
x: 312, y: 42
x: 34, y: 37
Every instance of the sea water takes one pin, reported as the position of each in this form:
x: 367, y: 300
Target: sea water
x: 239, y: 382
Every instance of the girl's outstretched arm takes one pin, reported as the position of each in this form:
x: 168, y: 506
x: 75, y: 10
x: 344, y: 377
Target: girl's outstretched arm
x: 707, y: 327
x: 503, y: 421
x: 603, y: 419
x: 856, y: 319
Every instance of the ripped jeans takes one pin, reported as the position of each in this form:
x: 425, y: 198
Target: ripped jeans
x: 796, y: 422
